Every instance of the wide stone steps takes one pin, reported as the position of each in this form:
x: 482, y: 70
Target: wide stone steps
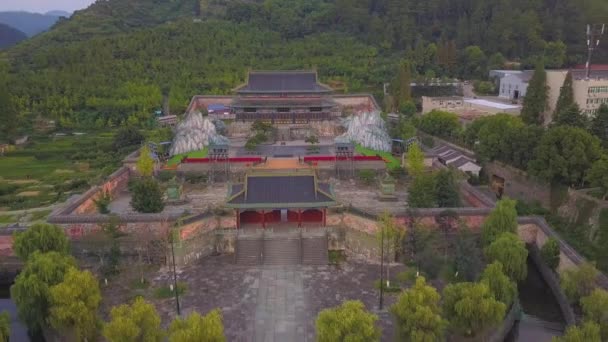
x: 282, y: 251
x: 249, y: 251
x: 314, y: 251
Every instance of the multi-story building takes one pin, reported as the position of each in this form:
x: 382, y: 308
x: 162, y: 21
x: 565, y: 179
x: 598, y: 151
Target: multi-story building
x: 589, y: 93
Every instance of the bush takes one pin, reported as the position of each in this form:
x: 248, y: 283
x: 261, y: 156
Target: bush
x: 127, y: 136
x: 550, y: 253
x: 103, y: 202
x: 147, y: 197
x: 484, y: 88
x: 367, y: 176
x: 165, y: 175
x: 196, y: 178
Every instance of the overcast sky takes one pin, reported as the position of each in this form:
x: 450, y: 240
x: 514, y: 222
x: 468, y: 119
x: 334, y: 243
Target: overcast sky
x: 42, y: 6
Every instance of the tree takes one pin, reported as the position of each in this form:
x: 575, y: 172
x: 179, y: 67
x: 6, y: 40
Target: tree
x: 579, y: 281
x: 312, y: 139
x: 390, y: 234
x: 599, y: 124
x: 535, y: 102
x: 511, y: 252
x: 136, y: 322
x: 587, y: 332
x: 414, y: 161
x: 347, y: 322
x: 74, y: 303
x: 595, y: 309
x: 421, y: 192
x: 493, y: 135
x: 471, y: 308
x: 566, y: 96
x: 145, y: 163
x: 439, y: 123
x: 467, y: 255
x: 418, y: 313
x: 402, y: 89
x: 503, y: 288
x: 447, y: 189
x: 564, y: 155
x: 549, y: 252
x: 5, y: 326
x: 598, y: 175
x: 474, y: 63
x: 571, y: 116
x: 40, y: 237
x: 126, y: 137
x: 197, y: 328
x: 503, y: 219
x: 31, y: 290
x: 147, y: 197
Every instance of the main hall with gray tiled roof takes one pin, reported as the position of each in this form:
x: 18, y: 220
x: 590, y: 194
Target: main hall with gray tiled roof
x: 274, y: 303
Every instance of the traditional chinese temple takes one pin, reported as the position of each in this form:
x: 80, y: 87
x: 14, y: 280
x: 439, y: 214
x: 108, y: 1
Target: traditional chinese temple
x: 284, y: 97
x: 271, y: 198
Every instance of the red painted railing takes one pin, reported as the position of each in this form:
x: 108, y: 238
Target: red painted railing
x: 230, y: 160
x: 333, y: 158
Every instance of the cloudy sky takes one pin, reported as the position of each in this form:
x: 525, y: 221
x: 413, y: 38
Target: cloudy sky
x: 42, y: 6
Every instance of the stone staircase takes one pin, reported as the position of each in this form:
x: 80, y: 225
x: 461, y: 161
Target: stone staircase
x: 284, y: 247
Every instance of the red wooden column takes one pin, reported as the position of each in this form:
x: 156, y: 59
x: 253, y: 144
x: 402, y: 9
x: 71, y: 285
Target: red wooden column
x: 238, y: 219
x: 263, y: 219
x: 324, y: 217
x: 299, y: 217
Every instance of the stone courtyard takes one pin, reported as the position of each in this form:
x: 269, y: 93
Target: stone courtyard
x: 274, y: 303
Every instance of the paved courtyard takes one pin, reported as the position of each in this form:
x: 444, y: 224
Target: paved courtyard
x: 274, y: 303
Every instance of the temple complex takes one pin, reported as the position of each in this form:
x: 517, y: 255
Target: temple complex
x: 267, y: 199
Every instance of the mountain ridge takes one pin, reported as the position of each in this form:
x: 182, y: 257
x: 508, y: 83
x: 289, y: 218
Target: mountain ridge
x: 10, y: 36
x: 27, y: 22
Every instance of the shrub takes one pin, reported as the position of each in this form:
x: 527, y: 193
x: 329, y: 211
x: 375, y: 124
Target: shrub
x: 367, y: 176
x: 103, y: 202
x: 550, y: 253
x: 147, y: 197
x: 511, y: 252
x: 579, y: 282
x: 127, y: 136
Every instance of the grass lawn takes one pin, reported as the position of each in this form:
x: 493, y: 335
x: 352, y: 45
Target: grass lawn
x: 194, y: 154
x: 6, y: 219
x: 393, y: 163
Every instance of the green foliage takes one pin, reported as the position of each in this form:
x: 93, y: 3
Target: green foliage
x: 564, y: 155
x: 197, y: 328
x: 367, y: 176
x: 147, y: 197
x: 566, y: 97
x: 467, y: 255
x: 595, y: 309
x: 599, y: 124
x: 102, y: 203
x: 598, y: 174
x: 145, y: 163
x: 31, y: 291
x: 549, y: 252
x: 441, y: 124
x: 578, y: 282
x: 312, y: 139
x: 74, y: 304
x: 418, y: 313
x: 446, y: 189
x: 484, y: 88
x: 5, y: 326
x: 511, y: 252
x: 535, y: 102
x: 501, y: 287
x: 347, y: 322
x: 587, y: 332
x: 503, y: 219
x: 471, y: 308
x: 136, y: 322
x: 401, y: 90
x: 571, y: 116
x: 392, y: 162
x: 166, y: 292
x: 414, y: 161
x: 127, y: 136
x: 40, y: 237
x: 422, y: 191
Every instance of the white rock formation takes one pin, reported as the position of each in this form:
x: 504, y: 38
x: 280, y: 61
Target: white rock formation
x: 194, y: 133
x: 368, y: 130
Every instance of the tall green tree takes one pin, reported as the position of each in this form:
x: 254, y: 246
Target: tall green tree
x: 535, y: 102
x: 503, y: 219
x: 31, y: 291
x: 347, y: 322
x: 571, y: 116
x: 74, y: 304
x: 471, y: 308
x: 422, y: 192
x: 40, y: 237
x: 414, y: 162
x: 511, y: 252
x: 566, y: 96
x: 439, y: 123
x: 197, y: 328
x: 579, y: 281
x: 595, y: 309
x: 598, y: 175
x: 564, y: 155
x: 550, y: 252
x: 147, y: 196
x: 418, y: 313
x: 403, y: 91
x: 145, y: 163
x: 586, y: 332
x: 446, y: 188
x: 136, y: 322
x: 599, y: 124
x: 503, y: 288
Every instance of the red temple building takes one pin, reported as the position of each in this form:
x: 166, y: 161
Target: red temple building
x: 269, y: 199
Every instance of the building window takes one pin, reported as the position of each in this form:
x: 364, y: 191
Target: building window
x: 250, y: 110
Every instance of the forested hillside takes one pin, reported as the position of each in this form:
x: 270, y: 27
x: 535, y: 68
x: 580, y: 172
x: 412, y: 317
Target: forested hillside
x: 10, y: 36
x: 107, y: 64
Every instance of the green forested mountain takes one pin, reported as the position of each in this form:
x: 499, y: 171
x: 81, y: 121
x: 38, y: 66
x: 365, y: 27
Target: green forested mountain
x: 108, y: 63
